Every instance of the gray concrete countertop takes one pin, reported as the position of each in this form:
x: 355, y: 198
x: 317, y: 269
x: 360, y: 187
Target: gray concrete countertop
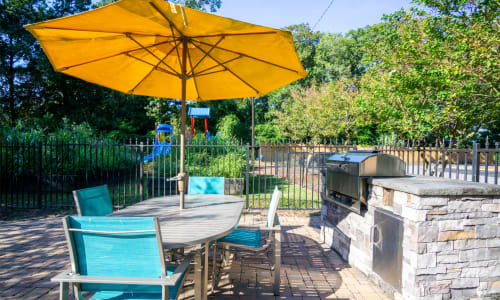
x: 433, y: 186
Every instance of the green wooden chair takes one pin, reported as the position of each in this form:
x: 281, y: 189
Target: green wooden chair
x: 94, y: 201
x: 119, y: 258
x: 205, y: 185
x: 254, y: 240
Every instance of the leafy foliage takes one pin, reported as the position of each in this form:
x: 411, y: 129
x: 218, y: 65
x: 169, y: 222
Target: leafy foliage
x: 436, y: 74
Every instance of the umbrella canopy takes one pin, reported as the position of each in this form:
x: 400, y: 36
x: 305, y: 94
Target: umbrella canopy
x: 156, y: 48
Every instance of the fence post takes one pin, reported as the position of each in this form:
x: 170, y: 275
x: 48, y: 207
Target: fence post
x: 247, y: 179
x: 39, y: 181
x: 141, y: 172
x: 475, y: 162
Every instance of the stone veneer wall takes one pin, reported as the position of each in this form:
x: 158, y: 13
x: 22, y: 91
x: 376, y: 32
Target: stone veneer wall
x: 451, y: 242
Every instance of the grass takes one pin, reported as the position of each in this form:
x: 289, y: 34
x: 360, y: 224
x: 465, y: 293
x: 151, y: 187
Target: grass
x: 292, y: 196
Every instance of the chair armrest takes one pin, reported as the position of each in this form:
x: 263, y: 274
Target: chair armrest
x: 179, y: 271
x: 68, y: 276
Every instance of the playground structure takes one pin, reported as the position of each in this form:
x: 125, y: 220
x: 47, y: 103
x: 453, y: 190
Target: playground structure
x: 199, y: 112
x: 164, y: 134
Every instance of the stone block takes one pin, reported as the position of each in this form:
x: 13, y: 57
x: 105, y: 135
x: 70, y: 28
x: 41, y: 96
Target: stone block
x: 440, y: 246
x: 398, y: 208
x: 480, y: 214
x: 464, y: 206
x: 427, y: 233
x: 412, y: 214
x: 447, y: 259
x: 456, y: 235
x: 488, y: 231
x: 493, y: 207
x: 448, y: 225
x: 431, y: 271
x: 493, y: 242
x: 483, y: 286
x: 482, y: 221
x: 494, y: 287
x: 400, y: 197
x: 442, y: 287
x: 463, y: 283
x: 437, y: 212
x: 447, y: 276
x: 479, y: 254
x: 432, y: 201
x: 469, y: 244
x: 491, y: 271
x: 469, y: 292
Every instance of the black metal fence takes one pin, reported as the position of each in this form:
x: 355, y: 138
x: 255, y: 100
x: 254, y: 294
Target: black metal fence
x: 449, y: 160
x: 42, y: 173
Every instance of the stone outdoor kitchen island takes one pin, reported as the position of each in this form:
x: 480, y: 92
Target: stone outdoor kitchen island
x: 449, y: 237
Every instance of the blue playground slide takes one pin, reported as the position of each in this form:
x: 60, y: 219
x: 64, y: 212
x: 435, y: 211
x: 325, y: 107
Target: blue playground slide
x: 160, y: 148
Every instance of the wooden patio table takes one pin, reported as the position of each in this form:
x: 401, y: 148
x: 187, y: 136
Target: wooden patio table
x: 204, y: 219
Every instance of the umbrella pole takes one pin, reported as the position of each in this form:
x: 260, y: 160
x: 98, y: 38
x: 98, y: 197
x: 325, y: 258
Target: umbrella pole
x: 182, y: 173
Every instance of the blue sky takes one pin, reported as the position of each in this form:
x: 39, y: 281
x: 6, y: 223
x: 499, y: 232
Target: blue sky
x: 342, y: 16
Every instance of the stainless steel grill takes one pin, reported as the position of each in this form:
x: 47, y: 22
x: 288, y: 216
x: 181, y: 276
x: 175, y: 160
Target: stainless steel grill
x: 346, y: 175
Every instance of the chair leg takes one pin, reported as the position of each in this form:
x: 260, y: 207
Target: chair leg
x: 226, y: 254
x: 277, y: 262
x: 64, y: 291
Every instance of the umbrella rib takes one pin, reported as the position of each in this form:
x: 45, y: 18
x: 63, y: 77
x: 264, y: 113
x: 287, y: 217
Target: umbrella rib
x: 248, y: 56
x: 147, y: 75
x: 194, y: 79
x: 201, y: 73
x: 204, y: 56
x: 105, y: 31
x: 148, y: 63
x: 110, y: 56
x: 154, y: 55
x: 208, y: 73
x: 229, y: 70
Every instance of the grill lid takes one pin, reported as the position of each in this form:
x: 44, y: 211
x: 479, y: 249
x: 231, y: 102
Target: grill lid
x: 354, y: 156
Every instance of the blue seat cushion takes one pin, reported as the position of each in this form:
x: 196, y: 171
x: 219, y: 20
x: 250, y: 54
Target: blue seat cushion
x: 243, y: 237
x: 172, y: 292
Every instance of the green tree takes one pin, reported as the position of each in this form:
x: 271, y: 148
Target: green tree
x: 435, y: 74
x: 338, y: 56
x: 329, y: 110
x: 23, y: 66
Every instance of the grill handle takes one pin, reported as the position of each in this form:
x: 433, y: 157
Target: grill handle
x: 378, y: 242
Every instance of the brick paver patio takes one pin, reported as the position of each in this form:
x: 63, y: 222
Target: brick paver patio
x: 32, y: 251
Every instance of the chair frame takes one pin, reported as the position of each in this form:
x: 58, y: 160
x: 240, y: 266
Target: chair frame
x: 77, y: 199
x: 273, y: 237
x: 72, y: 276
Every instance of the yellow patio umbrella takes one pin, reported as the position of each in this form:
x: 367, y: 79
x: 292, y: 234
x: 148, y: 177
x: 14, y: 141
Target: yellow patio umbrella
x: 156, y: 48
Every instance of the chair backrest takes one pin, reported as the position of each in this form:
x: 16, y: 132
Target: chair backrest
x: 115, y: 246
x: 273, y: 206
x: 93, y: 201
x: 206, y: 185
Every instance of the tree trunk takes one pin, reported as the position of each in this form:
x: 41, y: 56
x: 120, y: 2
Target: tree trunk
x: 11, y: 74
